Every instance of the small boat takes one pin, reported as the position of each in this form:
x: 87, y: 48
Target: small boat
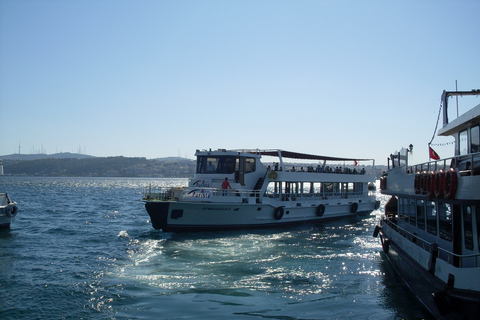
x: 8, y: 208
x: 233, y: 189
x: 430, y: 231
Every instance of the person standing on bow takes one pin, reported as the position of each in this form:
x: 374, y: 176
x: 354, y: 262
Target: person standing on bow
x: 226, y: 186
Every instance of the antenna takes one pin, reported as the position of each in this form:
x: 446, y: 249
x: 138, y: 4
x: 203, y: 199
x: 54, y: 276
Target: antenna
x: 456, y: 89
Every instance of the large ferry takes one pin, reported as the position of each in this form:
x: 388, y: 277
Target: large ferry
x: 233, y: 189
x: 430, y: 232
x: 8, y: 208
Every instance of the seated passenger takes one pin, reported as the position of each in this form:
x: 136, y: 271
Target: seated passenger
x: 211, y: 167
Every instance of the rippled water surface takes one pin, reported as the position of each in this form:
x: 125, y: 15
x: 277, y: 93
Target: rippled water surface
x: 84, y: 248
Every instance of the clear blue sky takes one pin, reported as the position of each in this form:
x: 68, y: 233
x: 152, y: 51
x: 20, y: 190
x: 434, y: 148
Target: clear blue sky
x: 164, y: 78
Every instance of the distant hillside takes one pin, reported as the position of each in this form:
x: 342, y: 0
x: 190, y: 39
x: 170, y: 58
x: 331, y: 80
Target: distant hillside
x: 99, y: 167
x: 62, y: 155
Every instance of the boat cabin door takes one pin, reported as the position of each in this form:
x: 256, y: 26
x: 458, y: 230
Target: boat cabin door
x: 240, y: 173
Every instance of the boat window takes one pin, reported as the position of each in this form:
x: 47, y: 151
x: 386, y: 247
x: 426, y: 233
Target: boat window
x: 348, y: 187
x: 477, y: 218
x: 219, y: 164
x: 327, y: 188
x: 475, y: 139
x: 431, y: 214
x: 445, y: 221
x: 462, y: 143
x: 317, y: 187
x: 358, y: 187
x: 403, y: 209
x: 413, y: 213
x: 420, y: 214
x: 336, y: 188
x: 468, y: 227
x: 226, y: 165
x: 249, y: 165
x: 308, y: 187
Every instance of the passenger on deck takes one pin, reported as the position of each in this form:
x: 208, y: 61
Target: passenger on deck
x: 226, y: 186
x: 211, y: 167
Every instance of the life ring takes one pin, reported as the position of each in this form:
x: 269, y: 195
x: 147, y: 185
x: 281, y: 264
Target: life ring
x: 451, y: 182
x: 273, y: 175
x: 439, y: 184
x: 11, y: 211
x: 423, y: 182
x: 278, y: 214
x: 320, y: 210
x: 418, y: 183
x: 354, y: 207
x: 430, y: 187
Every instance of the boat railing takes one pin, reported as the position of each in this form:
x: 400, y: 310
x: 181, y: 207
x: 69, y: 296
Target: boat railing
x: 158, y: 193
x: 171, y: 194
x: 461, y: 261
x: 182, y: 193
x: 467, y: 165
x: 294, y: 196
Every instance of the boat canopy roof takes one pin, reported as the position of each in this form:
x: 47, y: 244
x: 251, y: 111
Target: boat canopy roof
x: 298, y: 155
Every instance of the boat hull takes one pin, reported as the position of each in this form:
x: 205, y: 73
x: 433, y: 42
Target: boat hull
x: 5, y: 222
x: 441, y: 298
x: 183, y: 216
x: 7, y: 213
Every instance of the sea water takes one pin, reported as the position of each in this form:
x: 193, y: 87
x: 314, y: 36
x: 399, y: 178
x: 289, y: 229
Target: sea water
x: 84, y: 248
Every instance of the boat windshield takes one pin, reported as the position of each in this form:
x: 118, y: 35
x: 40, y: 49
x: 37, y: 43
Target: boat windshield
x: 216, y: 164
x: 225, y: 164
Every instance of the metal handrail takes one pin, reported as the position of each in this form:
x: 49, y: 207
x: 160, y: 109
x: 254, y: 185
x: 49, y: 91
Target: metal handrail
x: 441, y: 164
x: 164, y: 193
x: 449, y: 254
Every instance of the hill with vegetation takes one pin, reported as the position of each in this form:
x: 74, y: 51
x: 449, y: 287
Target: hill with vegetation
x: 100, y: 167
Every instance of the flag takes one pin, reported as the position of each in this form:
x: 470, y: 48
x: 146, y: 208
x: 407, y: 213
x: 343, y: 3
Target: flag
x: 356, y: 163
x: 433, y: 154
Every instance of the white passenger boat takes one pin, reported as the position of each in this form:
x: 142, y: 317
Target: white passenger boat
x: 430, y: 231
x: 8, y: 208
x: 233, y: 189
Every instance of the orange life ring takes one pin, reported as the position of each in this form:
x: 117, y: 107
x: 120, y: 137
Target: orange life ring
x: 451, y: 182
x: 423, y: 182
x: 418, y: 182
x: 430, y: 181
x: 439, y: 184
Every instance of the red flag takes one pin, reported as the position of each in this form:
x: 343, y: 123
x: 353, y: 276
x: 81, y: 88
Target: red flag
x: 356, y: 163
x: 433, y: 154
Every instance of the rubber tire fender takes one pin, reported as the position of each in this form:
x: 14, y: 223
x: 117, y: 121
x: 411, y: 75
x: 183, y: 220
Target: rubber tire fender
x: 354, y: 207
x: 278, y: 213
x: 11, y: 211
x: 320, y: 210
